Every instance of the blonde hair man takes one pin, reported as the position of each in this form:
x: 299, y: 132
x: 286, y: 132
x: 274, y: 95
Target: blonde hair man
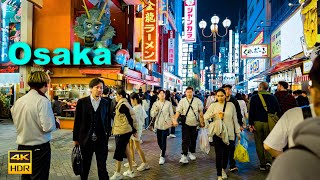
x: 34, y: 120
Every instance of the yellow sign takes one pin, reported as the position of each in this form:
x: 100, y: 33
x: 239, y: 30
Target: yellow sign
x: 259, y: 39
x: 19, y: 162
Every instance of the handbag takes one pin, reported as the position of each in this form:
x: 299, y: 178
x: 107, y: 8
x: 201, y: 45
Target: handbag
x: 183, y: 118
x: 76, y: 160
x: 272, y: 117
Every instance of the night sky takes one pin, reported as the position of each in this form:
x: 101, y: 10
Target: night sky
x: 223, y: 9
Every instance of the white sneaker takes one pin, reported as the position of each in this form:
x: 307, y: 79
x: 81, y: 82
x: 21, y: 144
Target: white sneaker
x: 143, y: 166
x: 116, y: 176
x: 184, y: 159
x: 219, y: 178
x: 192, y: 157
x: 162, y: 160
x: 172, y: 136
x: 134, y: 164
x: 224, y: 174
x: 141, y: 141
x: 129, y: 173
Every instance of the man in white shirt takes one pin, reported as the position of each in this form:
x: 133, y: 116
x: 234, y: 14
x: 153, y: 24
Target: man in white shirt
x: 281, y: 134
x: 34, y: 120
x: 189, y: 128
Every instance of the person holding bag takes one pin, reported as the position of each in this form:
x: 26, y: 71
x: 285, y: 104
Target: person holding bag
x: 226, y: 112
x: 124, y: 125
x: 162, y: 112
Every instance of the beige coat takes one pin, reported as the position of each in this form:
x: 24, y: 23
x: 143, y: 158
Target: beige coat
x: 121, y: 124
x: 163, y: 119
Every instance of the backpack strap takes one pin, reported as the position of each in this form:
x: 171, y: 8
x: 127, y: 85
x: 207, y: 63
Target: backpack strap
x: 306, y: 110
x: 263, y: 102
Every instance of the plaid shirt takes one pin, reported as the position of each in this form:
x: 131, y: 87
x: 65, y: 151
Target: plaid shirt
x: 286, y: 101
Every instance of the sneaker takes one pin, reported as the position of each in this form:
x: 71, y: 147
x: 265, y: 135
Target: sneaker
x: 184, y: 159
x: 129, y: 173
x: 219, y: 177
x: 143, y: 166
x: 162, y: 160
x: 269, y: 165
x: 134, y: 164
x: 141, y: 141
x: 116, y: 176
x: 224, y: 174
x: 262, y: 168
x: 172, y: 136
x: 233, y: 169
x: 192, y: 157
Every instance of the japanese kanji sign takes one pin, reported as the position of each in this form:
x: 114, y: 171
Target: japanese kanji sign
x: 190, y: 20
x: 171, y: 48
x: 150, y: 32
x: 255, y: 51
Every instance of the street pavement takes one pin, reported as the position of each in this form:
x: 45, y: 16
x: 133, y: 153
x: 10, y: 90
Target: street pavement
x: 202, y: 168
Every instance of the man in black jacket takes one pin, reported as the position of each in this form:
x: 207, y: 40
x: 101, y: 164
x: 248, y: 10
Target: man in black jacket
x: 230, y: 98
x: 91, y: 126
x: 258, y: 121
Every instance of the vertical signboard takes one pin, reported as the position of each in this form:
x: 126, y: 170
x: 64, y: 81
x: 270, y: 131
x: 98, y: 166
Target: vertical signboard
x: 236, y: 53
x: 190, y: 20
x: 150, y: 32
x: 276, y: 46
x: 230, y: 65
x: 171, y: 48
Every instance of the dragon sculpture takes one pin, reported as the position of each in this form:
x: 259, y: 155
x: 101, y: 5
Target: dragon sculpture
x: 94, y: 28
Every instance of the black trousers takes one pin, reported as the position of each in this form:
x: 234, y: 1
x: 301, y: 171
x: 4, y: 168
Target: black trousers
x: 232, y: 147
x: 41, y: 157
x: 162, y: 140
x: 173, y: 130
x: 222, y: 153
x: 100, y: 148
x: 189, y: 139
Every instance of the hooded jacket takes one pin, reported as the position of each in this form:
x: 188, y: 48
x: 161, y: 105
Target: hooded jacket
x: 300, y: 163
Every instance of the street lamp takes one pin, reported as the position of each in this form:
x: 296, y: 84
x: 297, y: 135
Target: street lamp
x: 214, y: 31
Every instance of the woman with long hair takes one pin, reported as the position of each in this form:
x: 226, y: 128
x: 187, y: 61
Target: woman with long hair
x: 225, y: 111
x: 124, y: 126
x: 244, y: 110
x: 162, y: 112
x: 135, y: 140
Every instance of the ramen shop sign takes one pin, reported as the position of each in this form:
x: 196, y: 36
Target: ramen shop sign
x: 150, y: 32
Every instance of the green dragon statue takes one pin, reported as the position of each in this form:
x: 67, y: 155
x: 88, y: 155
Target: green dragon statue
x: 94, y: 27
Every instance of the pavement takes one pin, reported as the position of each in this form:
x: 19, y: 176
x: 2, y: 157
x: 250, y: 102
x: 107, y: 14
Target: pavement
x: 203, y: 168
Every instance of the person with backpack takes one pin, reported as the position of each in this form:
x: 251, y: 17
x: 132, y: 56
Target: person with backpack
x: 282, y: 134
x: 263, y: 111
x: 286, y: 100
x: 302, y: 160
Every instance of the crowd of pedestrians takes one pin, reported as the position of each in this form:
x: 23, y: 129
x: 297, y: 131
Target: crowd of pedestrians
x: 284, y: 134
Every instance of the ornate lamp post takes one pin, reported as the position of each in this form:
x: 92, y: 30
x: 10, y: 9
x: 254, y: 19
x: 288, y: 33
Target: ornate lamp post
x: 214, y: 33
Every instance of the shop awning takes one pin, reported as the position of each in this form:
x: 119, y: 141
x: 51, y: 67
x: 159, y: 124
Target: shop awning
x: 282, y: 66
x: 134, y: 81
x: 152, y: 83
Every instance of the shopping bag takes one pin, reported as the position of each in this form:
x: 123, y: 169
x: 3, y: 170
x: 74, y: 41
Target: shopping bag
x: 76, y: 160
x: 244, y: 140
x: 204, y: 140
x: 241, y: 154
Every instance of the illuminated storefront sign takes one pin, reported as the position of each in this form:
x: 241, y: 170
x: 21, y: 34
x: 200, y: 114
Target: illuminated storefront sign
x: 229, y: 78
x: 150, y: 32
x: 255, y: 67
x: 171, y: 48
x: 190, y: 12
x: 255, y: 51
